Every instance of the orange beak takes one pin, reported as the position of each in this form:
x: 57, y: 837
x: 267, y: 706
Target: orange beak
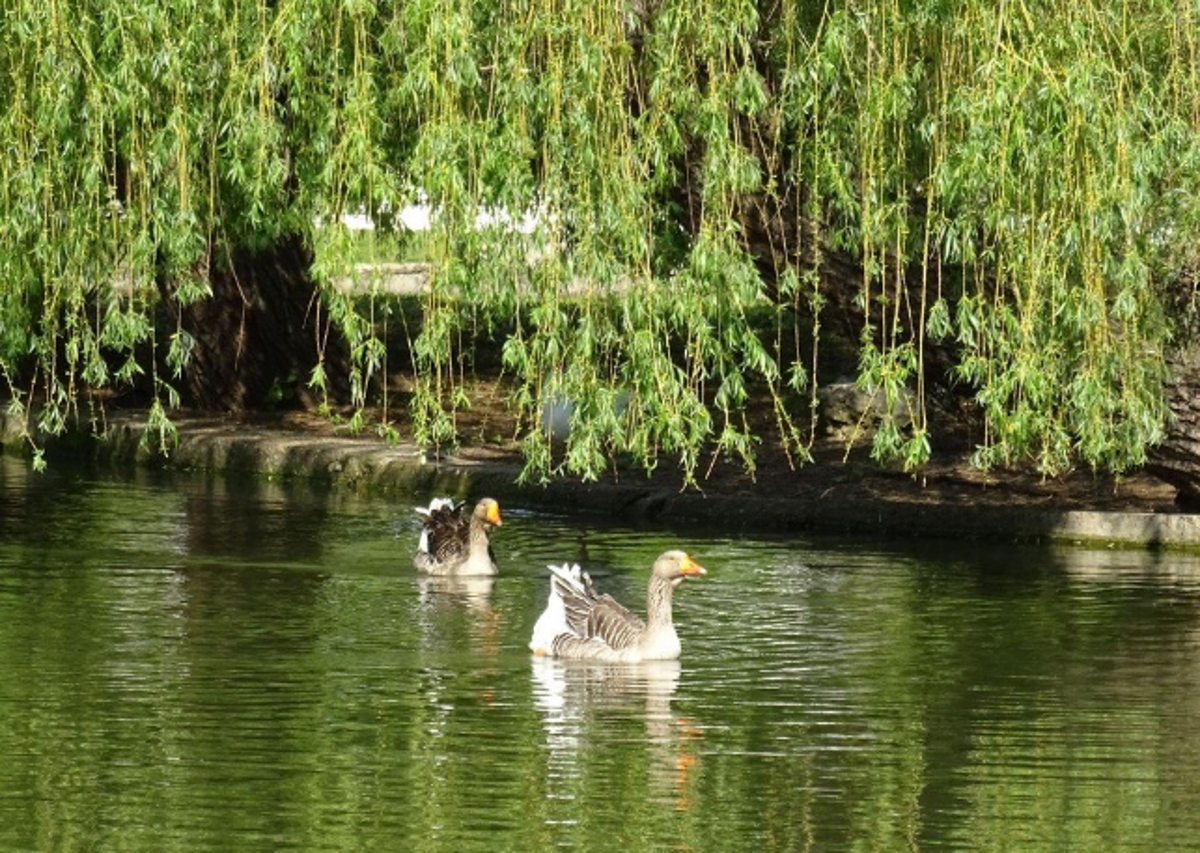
x: 493, y: 514
x: 688, y: 566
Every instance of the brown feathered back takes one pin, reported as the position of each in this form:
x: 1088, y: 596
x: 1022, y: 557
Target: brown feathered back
x: 446, y: 532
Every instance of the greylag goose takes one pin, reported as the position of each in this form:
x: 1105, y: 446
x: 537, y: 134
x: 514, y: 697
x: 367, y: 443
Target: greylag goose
x: 453, y: 545
x: 582, y: 625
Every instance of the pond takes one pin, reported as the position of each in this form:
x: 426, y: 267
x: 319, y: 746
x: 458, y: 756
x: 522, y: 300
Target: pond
x: 192, y: 663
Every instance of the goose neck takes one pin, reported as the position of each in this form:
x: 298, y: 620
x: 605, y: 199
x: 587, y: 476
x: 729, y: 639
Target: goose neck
x: 658, y: 601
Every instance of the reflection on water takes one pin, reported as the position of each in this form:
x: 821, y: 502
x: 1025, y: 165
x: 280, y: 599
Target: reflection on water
x: 474, y: 592
x: 193, y: 664
x: 573, y: 696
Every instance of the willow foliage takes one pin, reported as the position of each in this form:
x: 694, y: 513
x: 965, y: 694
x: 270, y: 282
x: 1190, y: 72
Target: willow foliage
x: 1014, y: 179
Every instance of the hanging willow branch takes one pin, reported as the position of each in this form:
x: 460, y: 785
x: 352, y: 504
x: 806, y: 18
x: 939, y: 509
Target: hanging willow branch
x: 1009, y: 179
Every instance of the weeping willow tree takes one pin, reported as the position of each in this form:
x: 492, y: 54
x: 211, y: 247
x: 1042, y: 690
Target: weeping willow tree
x: 649, y: 205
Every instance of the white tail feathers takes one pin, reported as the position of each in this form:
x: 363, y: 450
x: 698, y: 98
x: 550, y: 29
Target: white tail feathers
x: 553, y: 621
x: 434, y: 505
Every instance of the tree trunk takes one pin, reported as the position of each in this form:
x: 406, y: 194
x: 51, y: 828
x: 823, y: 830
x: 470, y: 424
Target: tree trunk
x: 1177, y: 459
x: 256, y: 339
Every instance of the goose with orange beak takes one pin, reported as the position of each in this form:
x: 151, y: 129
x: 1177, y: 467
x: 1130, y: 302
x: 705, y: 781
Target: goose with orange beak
x: 453, y: 545
x: 580, y: 624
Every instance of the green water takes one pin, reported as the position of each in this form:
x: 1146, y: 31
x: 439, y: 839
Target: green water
x: 192, y: 664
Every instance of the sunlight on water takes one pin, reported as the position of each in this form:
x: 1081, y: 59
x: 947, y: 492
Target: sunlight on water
x: 198, y: 664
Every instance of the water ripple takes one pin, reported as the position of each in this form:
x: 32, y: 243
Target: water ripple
x: 198, y: 666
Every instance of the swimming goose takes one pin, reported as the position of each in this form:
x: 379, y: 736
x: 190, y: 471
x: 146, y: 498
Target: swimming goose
x: 453, y: 545
x: 580, y: 624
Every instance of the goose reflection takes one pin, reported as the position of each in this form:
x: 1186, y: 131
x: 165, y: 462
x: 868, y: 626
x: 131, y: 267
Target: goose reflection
x: 473, y: 592
x: 456, y: 614
x: 572, y: 696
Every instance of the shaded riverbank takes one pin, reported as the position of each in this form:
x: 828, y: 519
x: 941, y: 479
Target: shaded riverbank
x: 833, y: 493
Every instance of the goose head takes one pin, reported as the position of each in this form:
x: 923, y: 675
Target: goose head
x: 676, y: 567
x: 488, y: 511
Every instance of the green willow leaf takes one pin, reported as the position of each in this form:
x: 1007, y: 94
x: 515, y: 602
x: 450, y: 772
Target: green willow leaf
x: 652, y: 205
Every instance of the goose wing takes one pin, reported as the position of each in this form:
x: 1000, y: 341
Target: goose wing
x: 592, y: 616
x: 444, y: 537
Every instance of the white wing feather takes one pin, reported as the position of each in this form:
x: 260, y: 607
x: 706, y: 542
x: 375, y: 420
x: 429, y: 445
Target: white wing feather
x: 553, y: 621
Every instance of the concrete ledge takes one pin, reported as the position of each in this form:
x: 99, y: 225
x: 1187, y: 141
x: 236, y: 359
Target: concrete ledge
x: 247, y: 446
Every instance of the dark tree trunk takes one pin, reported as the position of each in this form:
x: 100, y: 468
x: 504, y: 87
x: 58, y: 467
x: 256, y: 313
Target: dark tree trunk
x: 256, y: 338
x: 1177, y: 459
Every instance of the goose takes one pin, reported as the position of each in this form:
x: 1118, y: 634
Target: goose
x: 580, y: 624
x: 453, y: 545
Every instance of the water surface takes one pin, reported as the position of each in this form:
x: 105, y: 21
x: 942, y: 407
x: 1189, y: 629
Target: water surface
x: 192, y: 664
